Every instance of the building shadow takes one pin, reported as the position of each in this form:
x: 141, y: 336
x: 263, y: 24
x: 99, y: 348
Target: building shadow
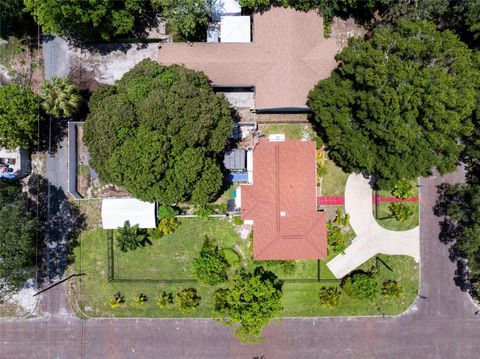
x: 61, y: 224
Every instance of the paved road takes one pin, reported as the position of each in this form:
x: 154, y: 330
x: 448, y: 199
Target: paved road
x: 443, y: 327
x: 371, y: 238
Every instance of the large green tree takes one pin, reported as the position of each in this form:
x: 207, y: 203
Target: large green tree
x: 398, y: 102
x: 18, y: 116
x: 89, y: 19
x: 160, y: 132
x: 252, y: 299
x: 17, y: 245
x: 186, y: 18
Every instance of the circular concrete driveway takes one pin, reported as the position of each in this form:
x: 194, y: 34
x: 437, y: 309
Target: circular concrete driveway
x: 371, y: 238
x: 443, y: 327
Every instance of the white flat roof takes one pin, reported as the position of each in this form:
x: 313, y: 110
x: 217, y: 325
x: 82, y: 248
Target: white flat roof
x: 235, y: 29
x: 115, y: 211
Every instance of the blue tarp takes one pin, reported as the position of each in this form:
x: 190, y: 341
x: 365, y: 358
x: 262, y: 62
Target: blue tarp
x: 7, y: 175
x: 238, y: 177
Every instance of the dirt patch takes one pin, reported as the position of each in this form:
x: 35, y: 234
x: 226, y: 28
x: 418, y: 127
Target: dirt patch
x: 281, y: 118
x: 92, y: 209
x: 342, y: 30
x: 20, y: 62
x: 83, y: 170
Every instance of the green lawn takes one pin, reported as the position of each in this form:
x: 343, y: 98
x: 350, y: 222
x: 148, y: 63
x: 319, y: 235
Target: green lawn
x: 302, y: 299
x: 385, y: 219
x: 334, y: 181
x: 171, y: 257
x: 291, y: 130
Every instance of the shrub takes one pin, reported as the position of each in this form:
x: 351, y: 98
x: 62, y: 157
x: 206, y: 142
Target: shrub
x: 166, y: 212
x: 211, y: 265
x: 140, y: 299
x: 232, y: 257
x: 220, y: 208
x: 204, y: 211
x: 130, y: 238
x: 321, y: 165
x: 237, y: 220
x: 392, y: 289
x: 188, y: 299
x: 360, y: 285
x: 329, y: 297
x: 338, y: 231
x: 165, y: 299
x: 403, y: 189
x: 400, y: 211
x: 287, y: 267
x: 220, y: 300
x: 117, y: 300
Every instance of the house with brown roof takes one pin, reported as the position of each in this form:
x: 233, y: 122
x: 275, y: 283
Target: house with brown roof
x: 287, y: 57
x: 281, y: 202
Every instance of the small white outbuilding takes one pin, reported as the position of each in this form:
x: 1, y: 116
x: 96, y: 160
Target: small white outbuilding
x: 115, y: 211
x: 235, y: 29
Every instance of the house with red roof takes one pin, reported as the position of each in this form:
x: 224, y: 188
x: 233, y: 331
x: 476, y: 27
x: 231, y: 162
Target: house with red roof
x: 281, y: 201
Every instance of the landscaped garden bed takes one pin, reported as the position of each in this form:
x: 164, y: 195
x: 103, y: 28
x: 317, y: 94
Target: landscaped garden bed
x: 166, y: 265
x: 386, y: 218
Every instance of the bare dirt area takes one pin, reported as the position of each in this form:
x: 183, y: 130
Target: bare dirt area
x: 20, y: 62
x: 342, y: 30
x: 281, y: 118
x: 106, y: 63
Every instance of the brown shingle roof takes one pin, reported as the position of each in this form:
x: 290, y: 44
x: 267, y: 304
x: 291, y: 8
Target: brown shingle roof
x: 287, y: 57
x: 282, y: 202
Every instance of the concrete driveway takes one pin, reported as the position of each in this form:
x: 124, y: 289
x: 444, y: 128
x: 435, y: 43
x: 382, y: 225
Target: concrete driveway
x: 371, y: 238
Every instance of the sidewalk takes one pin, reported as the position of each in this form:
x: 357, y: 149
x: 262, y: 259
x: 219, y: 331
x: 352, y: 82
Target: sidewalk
x: 371, y: 238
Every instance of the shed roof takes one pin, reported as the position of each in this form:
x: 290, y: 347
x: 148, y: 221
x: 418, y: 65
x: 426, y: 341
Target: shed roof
x: 235, y: 29
x: 287, y: 57
x: 282, y: 202
x: 115, y: 211
x: 235, y: 160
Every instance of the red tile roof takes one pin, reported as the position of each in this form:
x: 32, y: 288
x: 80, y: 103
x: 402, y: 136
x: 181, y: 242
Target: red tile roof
x: 287, y: 57
x: 282, y: 202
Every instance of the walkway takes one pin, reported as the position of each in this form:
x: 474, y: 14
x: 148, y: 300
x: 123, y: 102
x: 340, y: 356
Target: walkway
x: 371, y: 237
x: 340, y: 200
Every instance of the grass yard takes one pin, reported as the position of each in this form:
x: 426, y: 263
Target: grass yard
x: 302, y: 299
x: 291, y: 130
x: 334, y: 181
x: 171, y: 258
x: 386, y: 220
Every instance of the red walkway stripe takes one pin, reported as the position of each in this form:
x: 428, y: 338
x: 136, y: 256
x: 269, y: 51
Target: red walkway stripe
x: 340, y: 200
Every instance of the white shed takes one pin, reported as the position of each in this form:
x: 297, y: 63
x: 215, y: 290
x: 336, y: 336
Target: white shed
x: 115, y: 211
x: 235, y: 29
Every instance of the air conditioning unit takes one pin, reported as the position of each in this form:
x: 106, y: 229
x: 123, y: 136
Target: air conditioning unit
x: 280, y: 137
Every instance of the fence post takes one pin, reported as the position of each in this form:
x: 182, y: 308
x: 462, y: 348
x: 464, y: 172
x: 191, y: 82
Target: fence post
x: 110, y: 258
x: 318, y: 270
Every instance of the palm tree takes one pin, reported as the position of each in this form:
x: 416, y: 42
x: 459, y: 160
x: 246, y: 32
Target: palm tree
x: 60, y: 97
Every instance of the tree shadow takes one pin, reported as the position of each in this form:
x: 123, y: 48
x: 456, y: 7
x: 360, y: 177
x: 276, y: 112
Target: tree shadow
x: 450, y: 232
x: 61, y: 224
x: 52, y: 132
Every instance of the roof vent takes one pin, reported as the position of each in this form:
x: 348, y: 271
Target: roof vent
x: 280, y: 137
